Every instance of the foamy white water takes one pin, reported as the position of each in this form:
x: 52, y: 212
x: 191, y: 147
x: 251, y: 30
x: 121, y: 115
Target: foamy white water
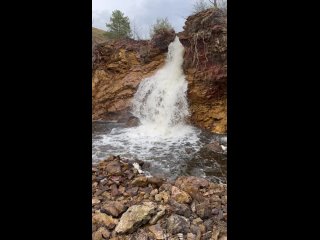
x: 160, y: 102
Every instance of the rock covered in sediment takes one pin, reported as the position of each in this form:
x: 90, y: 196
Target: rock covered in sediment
x: 134, y: 217
x: 214, y: 146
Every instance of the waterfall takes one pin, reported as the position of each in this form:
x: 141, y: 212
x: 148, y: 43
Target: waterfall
x: 163, y: 137
x: 160, y: 102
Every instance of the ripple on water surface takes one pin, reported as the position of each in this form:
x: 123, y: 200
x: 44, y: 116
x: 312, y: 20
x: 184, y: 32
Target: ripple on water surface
x: 174, y: 153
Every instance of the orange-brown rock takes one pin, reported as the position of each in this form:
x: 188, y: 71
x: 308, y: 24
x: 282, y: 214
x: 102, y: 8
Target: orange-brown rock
x: 205, y: 65
x: 118, y: 68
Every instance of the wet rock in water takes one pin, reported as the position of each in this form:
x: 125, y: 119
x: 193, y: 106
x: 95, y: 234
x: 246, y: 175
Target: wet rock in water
x: 102, y: 218
x: 214, y: 147
x: 157, y: 231
x: 161, y: 212
x: 188, y: 150
x: 133, y: 122
x: 179, y: 195
x: 134, y: 217
x: 177, y: 224
x: 114, y: 208
x: 101, y: 234
x: 113, y: 168
x: 140, y: 181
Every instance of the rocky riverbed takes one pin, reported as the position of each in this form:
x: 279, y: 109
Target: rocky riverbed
x: 126, y: 204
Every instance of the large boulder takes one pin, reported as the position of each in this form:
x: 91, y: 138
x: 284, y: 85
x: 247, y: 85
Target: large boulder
x: 134, y: 217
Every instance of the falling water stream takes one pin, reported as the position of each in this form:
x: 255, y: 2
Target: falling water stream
x: 164, y: 140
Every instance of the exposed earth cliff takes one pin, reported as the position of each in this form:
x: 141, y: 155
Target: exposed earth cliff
x: 118, y: 68
x: 205, y: 65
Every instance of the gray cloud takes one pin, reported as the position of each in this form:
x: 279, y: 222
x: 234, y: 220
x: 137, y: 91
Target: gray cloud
x: 100, y: 17
x: 143, y: 12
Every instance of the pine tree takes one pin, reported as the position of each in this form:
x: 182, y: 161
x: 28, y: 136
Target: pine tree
x: 119, y: 26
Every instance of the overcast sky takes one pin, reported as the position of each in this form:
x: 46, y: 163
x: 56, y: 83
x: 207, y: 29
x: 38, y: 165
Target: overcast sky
x: 143, y: 12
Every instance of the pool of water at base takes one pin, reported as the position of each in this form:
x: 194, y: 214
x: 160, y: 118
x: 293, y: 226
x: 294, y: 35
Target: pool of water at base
x: 166, y: 157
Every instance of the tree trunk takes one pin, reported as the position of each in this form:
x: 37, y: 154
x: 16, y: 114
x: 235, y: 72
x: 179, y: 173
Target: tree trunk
x: 214, y: 3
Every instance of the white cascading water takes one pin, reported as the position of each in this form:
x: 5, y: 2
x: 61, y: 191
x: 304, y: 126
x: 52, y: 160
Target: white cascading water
x: 160, y: 102
x: 161, y: 105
